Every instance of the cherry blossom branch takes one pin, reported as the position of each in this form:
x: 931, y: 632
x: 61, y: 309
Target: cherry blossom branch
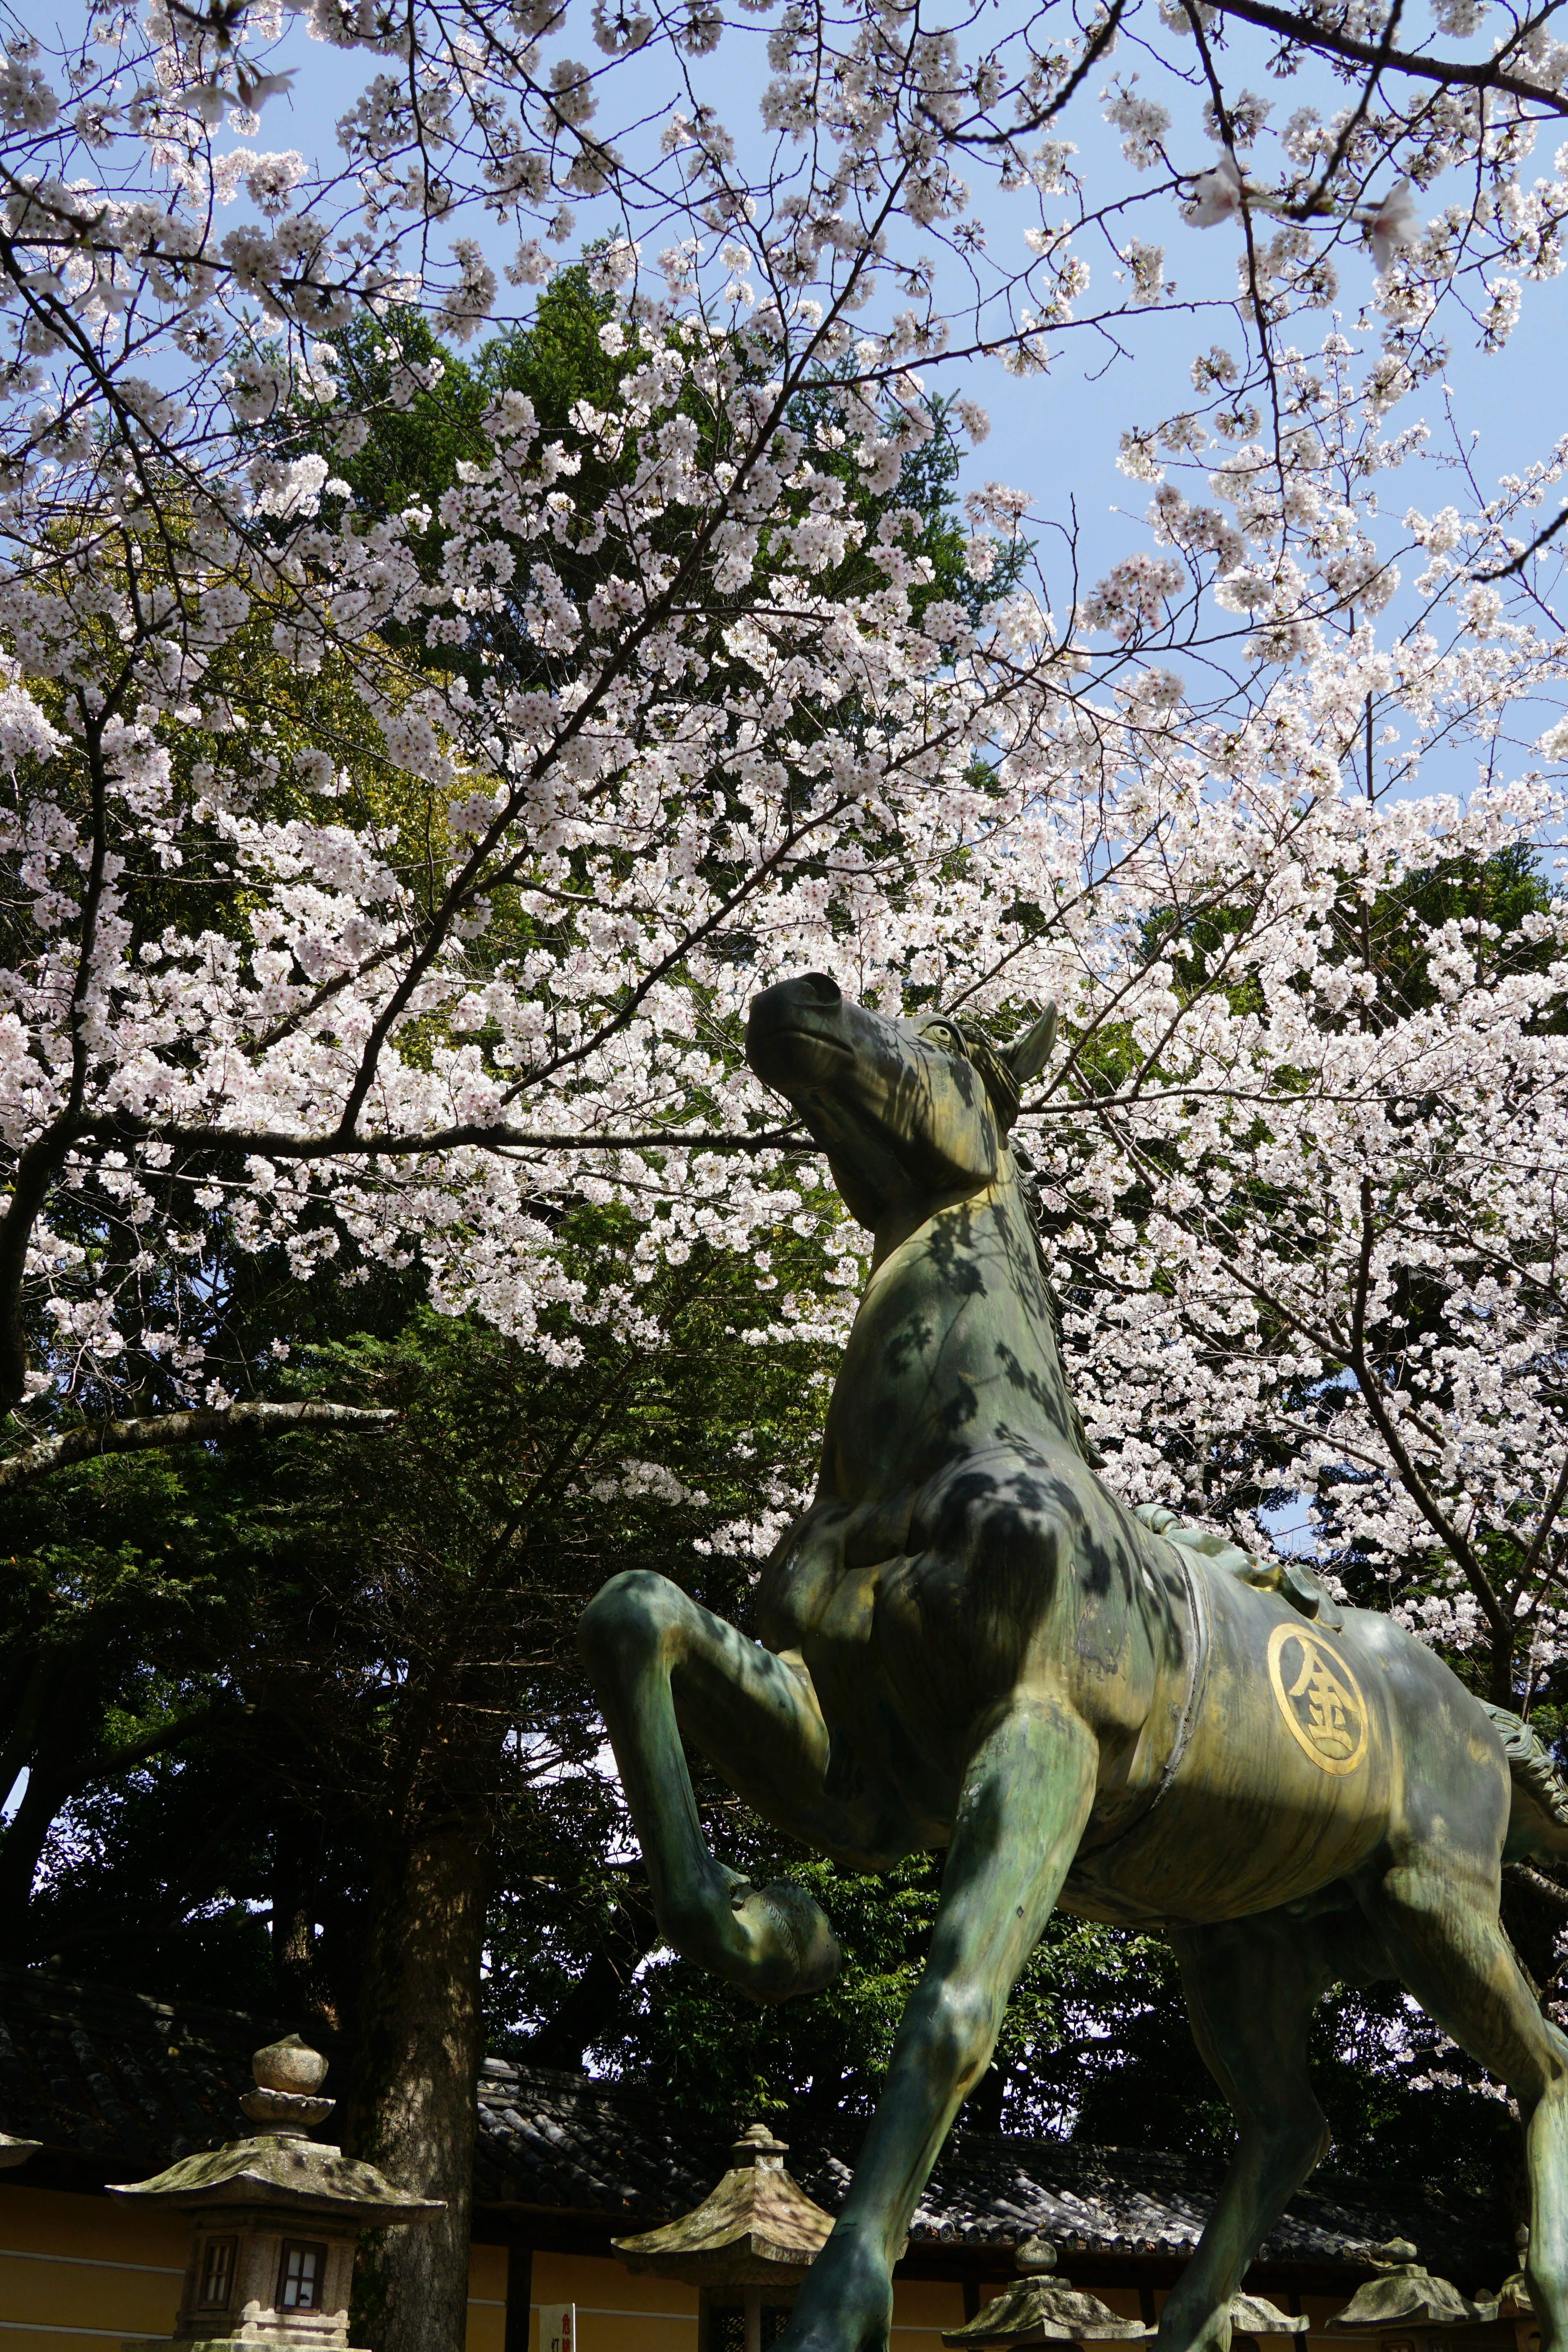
x: 1550, y: 1510
x: 1517, y: 564
x: 274, y: 1144
x: 1350, y: 1349
x: 1310, y: 33
x: 203, y: 1424
x: 1415, y: 1484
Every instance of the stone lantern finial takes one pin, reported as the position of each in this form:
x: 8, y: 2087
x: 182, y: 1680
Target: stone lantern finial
x: 757, y: 2148
x: 286, y: 2073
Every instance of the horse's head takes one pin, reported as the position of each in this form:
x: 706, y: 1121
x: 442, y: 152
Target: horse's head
x: 909, y: 1112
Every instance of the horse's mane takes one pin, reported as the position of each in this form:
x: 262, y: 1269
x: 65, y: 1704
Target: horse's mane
x: 1029, y: 1191
x: 1002, y: 1085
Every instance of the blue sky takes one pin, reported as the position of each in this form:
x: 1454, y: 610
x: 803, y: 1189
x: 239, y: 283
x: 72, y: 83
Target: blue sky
x: 1057, y: 435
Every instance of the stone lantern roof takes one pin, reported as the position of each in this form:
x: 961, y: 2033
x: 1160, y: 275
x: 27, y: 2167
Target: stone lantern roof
x: 757, y: 2229
x: 1254, y: 2314
x: 1045, y: 2311
x: 1406, y: 2294
x: 1041, y: 2309
x: 280, y: 2167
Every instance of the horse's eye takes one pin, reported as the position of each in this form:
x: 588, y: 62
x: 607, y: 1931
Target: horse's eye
x: 944, y: 1034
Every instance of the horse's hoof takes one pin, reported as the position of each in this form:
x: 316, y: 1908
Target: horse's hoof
x: 793, y: 1947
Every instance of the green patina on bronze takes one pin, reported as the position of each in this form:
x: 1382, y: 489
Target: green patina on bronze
x: 967, y: 1641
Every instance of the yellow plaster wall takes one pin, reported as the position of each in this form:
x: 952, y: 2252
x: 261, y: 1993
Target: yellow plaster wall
x: 77, y: 2273
x: 616, y: 2312
x: 619, y: 2311
x: 921, y: 2309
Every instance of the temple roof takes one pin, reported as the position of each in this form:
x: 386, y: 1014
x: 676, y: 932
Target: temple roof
x: 116, y: 2085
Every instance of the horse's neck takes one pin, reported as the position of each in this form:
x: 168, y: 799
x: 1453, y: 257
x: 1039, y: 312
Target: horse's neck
x: 953, y: 1347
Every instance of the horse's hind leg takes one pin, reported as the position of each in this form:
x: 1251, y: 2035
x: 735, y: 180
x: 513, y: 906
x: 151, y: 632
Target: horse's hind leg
x: 1435, y: 1912
x: 662, y: 1666
x: 1026, y: 1798
x: 1250, y: 1986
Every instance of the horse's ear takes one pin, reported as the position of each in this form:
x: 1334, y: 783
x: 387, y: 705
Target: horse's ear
x: 1028, y: 1057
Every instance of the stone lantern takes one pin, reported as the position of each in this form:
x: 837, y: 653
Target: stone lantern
x: 273, y: 2219
x: 1254, y: 2314
x: 746, y: 2248
x: 1044, y: 2309
x: 1406, y: 2309
x: 1041, y: 2308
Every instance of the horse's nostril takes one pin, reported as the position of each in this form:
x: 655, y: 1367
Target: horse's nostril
x: 823, y: 990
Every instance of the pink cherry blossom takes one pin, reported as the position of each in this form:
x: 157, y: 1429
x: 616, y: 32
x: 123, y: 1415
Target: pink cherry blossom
x: 1394, y: 226
x: 1216, y: 194
x: 471, y: 828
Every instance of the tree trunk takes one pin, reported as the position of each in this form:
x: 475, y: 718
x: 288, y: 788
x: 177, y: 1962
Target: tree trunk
x: 296, y: 1962
x: 1499, y: 1677
x: 418, y: 2039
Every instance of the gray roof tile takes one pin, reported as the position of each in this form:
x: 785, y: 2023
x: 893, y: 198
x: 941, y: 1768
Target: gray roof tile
x: 126, y: 2084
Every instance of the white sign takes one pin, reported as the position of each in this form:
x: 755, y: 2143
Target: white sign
x: 557, y: 2327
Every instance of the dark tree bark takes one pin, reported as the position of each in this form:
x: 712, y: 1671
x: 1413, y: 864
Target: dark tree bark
x: 417, y: 2036
x: 296, y: 1961
x: 203, y: 1424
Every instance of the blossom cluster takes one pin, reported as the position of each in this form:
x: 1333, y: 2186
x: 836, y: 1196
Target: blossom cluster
x: 383, y: 884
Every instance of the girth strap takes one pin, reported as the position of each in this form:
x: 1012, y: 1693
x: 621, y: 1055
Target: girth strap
x: 1195, y: 1676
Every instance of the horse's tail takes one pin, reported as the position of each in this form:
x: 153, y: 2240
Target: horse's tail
x: 1537, y: 1822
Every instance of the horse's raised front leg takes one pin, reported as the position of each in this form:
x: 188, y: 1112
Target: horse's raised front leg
x: 663, y: 1666
x: 1027, y: 1797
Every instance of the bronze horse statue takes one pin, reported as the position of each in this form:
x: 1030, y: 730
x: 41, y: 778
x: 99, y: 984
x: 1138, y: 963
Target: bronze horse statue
x: 968, y: 1642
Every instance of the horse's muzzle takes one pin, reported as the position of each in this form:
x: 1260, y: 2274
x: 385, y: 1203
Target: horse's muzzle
x: 790, y: 1025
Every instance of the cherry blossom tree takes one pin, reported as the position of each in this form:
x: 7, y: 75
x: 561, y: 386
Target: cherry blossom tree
x: 383, y: 885
x: 380, y: 901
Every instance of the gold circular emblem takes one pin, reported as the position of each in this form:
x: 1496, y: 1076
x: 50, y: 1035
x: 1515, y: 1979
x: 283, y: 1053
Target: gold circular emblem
x: 1319, y: 1698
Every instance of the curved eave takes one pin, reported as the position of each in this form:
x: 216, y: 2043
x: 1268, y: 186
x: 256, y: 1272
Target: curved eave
x: 282, y: 2176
